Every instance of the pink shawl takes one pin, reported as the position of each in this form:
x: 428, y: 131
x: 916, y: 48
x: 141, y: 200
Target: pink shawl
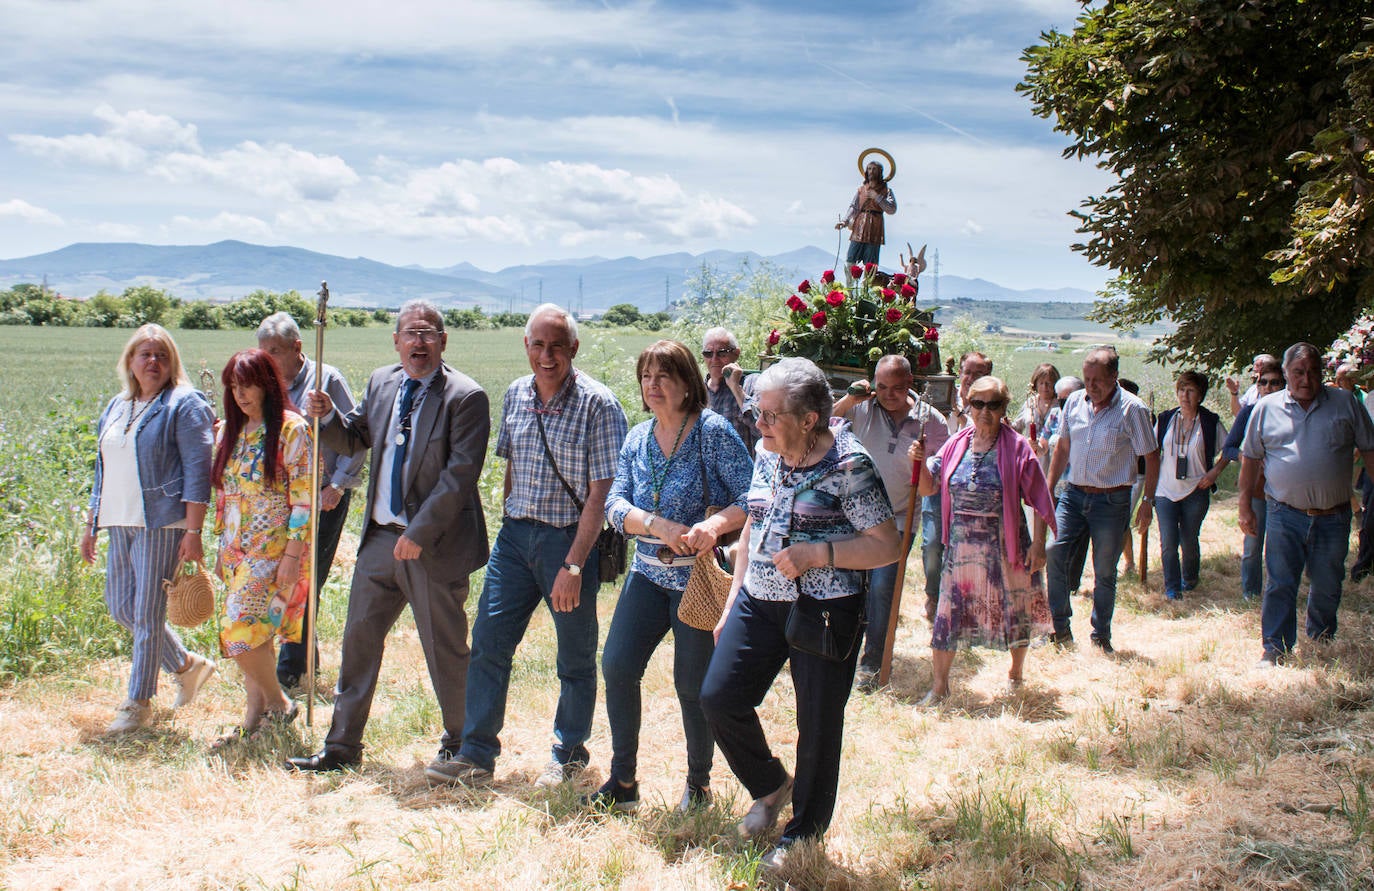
x: 1022, y: 478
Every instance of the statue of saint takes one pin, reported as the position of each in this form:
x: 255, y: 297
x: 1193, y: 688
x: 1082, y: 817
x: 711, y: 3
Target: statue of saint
x: 864, y: 218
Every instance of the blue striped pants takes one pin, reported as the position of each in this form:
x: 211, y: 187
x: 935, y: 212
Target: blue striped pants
x: 138, y: 561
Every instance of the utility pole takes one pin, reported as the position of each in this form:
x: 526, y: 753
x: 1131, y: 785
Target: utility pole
x: 666, y: 301
x: 937, y: 275
x: 579, y: 297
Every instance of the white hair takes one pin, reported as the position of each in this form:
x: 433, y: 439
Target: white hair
x: 279, y: 326
x: 719, y: 333
x: 553, y: 309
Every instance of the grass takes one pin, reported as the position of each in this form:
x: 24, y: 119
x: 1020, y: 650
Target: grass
x: 1174, y: 763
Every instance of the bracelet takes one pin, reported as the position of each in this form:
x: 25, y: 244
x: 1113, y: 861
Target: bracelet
x: 295, y: 557
x: 649, y: 522
x: 193, y: 532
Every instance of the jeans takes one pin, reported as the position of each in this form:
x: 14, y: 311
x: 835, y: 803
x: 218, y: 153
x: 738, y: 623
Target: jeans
x: 1252, y: 553
x: 882, y: 582
x: 1180, y: 525
x: 643, y: 616
x: 1364, y: 557
x: 1292, y: 541
x: 750, y: 654
x: 1083, y: 518
x: 524, y: 562
x: 932, y: 546
x: 291, y: 660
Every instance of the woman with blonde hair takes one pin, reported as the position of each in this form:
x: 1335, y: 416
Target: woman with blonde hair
x: 152, y: 485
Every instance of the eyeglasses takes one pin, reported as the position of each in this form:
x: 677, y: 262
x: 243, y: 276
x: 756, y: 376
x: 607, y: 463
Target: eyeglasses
x: 424, y: 335
x: 1271, y: 382
x: 723, y: 351
x: 993, y: 405
x: 771, y: 417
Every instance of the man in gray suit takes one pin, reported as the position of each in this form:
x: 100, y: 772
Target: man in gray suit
x: 428, y: 426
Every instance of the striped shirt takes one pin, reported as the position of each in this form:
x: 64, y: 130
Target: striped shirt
x: 585, y: 427
x: 1104, y: 443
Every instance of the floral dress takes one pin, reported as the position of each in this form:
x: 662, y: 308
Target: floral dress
x: 254, y: 520
x: 984, y: 599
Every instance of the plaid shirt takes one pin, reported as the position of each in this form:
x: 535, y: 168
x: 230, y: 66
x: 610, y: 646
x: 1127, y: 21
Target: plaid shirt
x: 1104, y: 443
x: 585, y: 426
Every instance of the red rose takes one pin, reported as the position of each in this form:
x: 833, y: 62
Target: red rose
x: 796, y: 304
x: 774, y: 337
x: 818, y: 320
x: 828, y: 276
x: 899, y: 279
x: 835, y: 298
x: 923, y: 360
x: 908, y: 291
x: 889, y: 295
x: 932, y: 334
x: 894, y: 314
x: 805, y: 286
x: 855, y: 271
x: 869, y: 267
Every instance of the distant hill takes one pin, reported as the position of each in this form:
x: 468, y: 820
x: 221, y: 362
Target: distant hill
x: 229, y: 269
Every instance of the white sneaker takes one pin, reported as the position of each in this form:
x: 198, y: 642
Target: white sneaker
x: 130, y: 716
x: 190, y: 679
x: 556, y: 773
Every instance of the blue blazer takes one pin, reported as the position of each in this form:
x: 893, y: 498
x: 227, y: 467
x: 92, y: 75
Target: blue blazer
x: 174, y: 440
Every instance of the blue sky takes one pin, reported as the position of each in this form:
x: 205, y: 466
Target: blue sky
x: 520, y: 131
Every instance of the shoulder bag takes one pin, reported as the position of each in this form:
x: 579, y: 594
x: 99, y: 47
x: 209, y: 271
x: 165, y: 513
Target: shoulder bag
x: 610, y: 544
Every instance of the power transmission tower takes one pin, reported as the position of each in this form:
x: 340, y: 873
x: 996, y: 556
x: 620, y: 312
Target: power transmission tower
x: 579, y: 297
x: 937, y: 275
x: 666, y: 302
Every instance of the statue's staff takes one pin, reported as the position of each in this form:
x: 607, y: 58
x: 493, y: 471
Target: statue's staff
x: 922, y: 415
x: 312, y: 602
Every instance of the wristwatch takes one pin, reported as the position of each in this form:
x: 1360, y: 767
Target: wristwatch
x: 572, y: 568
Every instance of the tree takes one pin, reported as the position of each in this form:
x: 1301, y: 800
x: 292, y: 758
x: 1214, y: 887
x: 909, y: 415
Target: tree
x: 470, y: 319
x: 750, y: 302
x: 1200, y: 111
x: 200, y: 316
x: 252, y: 309
x: 147, y: 305
x: 622, y: 315
x: 105, y: 310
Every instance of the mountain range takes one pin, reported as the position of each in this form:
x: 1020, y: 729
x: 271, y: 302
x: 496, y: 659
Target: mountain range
x: 227, y: 270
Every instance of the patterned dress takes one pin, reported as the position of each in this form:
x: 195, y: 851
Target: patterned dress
x: 254, y: 520
x: 984, y: 599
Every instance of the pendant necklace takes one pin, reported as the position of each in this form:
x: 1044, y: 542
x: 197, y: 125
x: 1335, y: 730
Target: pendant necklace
x: 135, y: 412
x: 658, y: 476
x: 978, y: 459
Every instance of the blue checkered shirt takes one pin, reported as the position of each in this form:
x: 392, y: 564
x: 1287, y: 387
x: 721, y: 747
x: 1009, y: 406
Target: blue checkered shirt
x: 1103, y: 444
x: 585, y: 426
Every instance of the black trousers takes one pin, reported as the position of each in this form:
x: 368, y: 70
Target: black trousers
x: 750, y: 653
x: 291, y: 660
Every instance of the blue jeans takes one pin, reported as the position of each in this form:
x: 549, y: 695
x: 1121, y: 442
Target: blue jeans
x: 643, y: 616
x: 1083, y: 518
x: 1252, y: 553
x: 1180, y: 525
x: 524, y: 562
x: 932, y: 546
x: 1294, y: 541
x: 882, y: 582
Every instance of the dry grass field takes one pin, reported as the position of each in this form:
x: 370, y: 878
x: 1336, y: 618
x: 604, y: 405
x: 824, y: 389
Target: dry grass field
x: 1173, y: 764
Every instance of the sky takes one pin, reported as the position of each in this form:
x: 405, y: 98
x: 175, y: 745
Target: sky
x: 521, y: 131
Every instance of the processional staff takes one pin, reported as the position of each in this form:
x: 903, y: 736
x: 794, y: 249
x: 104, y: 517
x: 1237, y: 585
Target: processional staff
x: 312, y: 603
x: 885, y: 671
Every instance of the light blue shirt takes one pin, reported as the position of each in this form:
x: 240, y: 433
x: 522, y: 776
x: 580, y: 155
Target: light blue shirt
x: 1104, y: 443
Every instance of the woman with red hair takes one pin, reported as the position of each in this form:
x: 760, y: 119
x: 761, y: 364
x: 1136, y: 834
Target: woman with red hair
x: 261, y: 475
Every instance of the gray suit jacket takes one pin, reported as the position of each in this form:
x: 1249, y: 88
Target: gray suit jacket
x: 450, y: 435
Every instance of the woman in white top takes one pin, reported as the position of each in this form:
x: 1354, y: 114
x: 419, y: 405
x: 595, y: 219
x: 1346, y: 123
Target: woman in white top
x: 1189, y: 437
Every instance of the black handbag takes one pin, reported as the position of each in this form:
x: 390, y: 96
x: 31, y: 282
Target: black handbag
x: 827, y: 628
x: 611, y: 547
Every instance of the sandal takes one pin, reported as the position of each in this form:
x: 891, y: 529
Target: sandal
x: 233, y: 737
x: 272, y: 721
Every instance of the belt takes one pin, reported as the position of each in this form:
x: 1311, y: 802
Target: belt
x: 1317, y: 511
x: 652, y: 559
x: 388, y: 527
x: 1101, y: 490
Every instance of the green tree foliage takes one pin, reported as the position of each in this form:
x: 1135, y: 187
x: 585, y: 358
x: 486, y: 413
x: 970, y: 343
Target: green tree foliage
x: 201, y: 316
x: 146, y: 304
x: 105, y: 310
x: 510, y: 319
x: 622, y: 315
x: 1199, y: 110
x: 350, y: 318
x: 750, y: 302
x: 249, y: 311
x: 381, y: 315
x: 470, y: 319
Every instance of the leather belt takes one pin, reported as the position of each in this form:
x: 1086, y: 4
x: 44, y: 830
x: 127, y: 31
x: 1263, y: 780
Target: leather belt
x: 389, y: 527
x: 1317, y: 511
x: 1101, y: 490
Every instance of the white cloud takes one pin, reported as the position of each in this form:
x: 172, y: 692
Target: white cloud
x: 274, y: 171
x: 220, y: 226
x: 971, y: 227
x: 82, y: 148
x: 143, y: 128
x: 17, y: 208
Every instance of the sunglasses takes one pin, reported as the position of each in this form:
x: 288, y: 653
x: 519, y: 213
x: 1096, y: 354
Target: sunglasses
x: 991, y: 405
x: 1271, y: 382
x: 723, y: 351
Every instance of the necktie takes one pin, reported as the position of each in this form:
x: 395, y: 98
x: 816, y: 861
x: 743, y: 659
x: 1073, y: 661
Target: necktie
x: 398, y: 458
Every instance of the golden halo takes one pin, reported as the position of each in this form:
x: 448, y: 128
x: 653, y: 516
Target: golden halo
x: 891, y: 164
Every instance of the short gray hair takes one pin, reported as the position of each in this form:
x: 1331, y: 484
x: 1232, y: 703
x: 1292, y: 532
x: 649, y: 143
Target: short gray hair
x: 1106, y: 356
x: 553, y: 309
x: 424, y: 308
x: 902, y: 364
x: 279, y: 326
x: 719, y: 333
x: 1066, y: 385
x: 804, y: 386
x: 1299, y: 349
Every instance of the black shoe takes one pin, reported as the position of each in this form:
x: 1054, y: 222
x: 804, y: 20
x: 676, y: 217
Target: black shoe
x: 613, y: 797
x: 1104, y: 644
x: 322, y: 761
x: 289, y: 681
x: 1062, y: 638
x: 693, y: 798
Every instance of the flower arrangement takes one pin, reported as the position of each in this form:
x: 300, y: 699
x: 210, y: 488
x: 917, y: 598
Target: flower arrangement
x: 1356, y: 348
x: 856, y: 324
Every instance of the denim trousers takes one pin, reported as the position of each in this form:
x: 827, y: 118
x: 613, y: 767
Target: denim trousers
x: 291, y: 660
x: 750, y: 653
x: 1364, y: 557
x: 524, y: 562
x: 882, y: 582
x: 1252, y: 552
x: 1180, y: 526
x: 1294, y: 541
x: 1086, y: 518
x: 644, y: 615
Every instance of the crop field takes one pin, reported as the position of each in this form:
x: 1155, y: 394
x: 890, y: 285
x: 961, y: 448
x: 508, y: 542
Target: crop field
x: 1175, y: 763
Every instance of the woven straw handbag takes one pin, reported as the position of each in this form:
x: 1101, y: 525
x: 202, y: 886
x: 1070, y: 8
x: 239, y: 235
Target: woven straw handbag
x: 190, y: 596
x: 707, y: 588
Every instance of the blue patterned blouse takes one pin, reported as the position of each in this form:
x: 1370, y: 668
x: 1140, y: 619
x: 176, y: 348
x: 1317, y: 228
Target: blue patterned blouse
x: 835, y: 499
x: 713, y: 444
